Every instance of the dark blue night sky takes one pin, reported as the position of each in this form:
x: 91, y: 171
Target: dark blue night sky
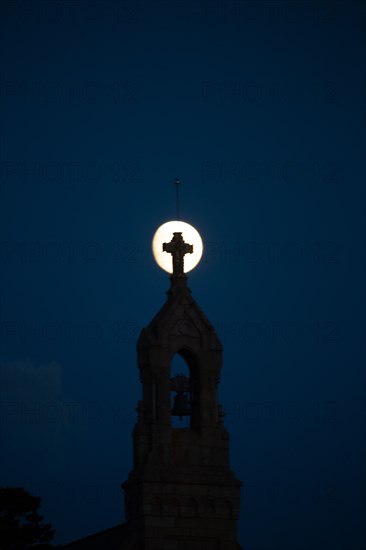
x: 259, y: 108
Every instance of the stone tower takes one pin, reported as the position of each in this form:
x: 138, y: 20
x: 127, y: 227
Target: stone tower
x: 181, y: 493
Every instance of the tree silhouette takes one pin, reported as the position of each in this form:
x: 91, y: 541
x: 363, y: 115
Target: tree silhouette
x: 21, y: 526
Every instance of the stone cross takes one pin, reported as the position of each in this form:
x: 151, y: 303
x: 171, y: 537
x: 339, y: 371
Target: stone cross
x: 178, y: 248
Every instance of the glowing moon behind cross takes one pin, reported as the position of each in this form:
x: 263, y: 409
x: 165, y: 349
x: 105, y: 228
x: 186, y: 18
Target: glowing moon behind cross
x: 164, y: 234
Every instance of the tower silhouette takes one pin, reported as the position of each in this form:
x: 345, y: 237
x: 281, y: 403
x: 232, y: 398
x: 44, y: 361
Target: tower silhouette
x: 181, y: 493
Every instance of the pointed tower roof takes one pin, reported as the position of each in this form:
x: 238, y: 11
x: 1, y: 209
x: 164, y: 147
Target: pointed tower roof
x: 180, y: 319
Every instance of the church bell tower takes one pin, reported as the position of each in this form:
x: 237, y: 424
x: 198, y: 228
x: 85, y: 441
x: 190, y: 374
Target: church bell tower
x: 181, y: 493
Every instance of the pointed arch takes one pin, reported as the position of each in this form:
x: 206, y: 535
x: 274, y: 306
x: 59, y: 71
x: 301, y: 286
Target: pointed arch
x: 191, y: 370
x: 190, y: 357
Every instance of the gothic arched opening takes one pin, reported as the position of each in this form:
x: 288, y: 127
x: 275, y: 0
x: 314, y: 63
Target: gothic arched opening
x: 184, y: 390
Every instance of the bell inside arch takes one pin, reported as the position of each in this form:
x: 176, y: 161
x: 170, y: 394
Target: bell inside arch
x: 181, y: 406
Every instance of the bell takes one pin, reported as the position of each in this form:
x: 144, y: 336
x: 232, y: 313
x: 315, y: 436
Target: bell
x: 181, y: 405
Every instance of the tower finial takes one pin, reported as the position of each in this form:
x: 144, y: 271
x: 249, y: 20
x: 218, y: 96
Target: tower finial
x: 177, y: 182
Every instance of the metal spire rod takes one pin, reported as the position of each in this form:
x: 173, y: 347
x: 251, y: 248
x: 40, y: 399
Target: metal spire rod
x: 177, y: 182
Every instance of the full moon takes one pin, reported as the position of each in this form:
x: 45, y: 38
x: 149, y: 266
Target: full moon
x: 164, y: 234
